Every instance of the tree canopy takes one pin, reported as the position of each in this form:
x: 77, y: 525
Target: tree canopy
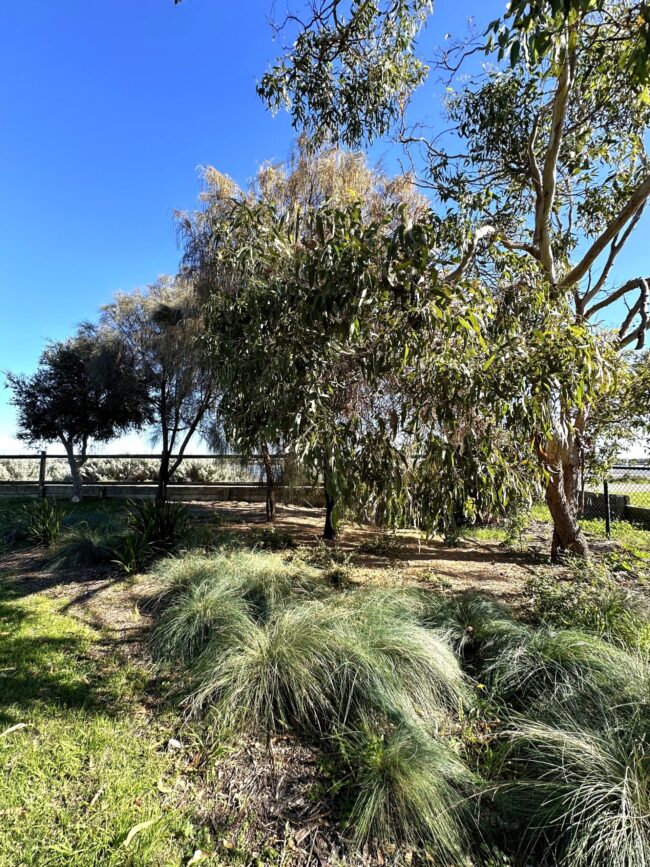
x: 84, y: 389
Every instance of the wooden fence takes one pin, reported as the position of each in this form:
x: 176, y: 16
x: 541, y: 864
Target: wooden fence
x: 218, y: 490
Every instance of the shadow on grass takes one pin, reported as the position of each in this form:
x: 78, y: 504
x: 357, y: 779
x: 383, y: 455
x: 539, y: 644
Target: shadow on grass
x: 46, y: 662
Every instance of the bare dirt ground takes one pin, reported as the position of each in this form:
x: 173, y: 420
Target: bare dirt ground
x: 486, y: 566
x: 117, y: 607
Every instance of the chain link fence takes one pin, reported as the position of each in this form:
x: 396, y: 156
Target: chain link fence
x: 618, y: 506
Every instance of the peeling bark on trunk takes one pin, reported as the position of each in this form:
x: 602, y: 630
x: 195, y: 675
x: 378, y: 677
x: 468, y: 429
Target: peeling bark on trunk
x: 562, y: 498
x: 270, y: 483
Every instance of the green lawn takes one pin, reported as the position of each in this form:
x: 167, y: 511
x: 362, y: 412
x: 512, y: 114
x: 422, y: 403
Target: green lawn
x: 86, y: 775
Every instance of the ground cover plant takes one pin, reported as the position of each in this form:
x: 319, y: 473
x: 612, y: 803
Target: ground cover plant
x: 449, y: 726
x: 394, y: 686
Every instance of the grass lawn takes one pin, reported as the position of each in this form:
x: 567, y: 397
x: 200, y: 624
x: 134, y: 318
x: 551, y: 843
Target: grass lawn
x: 85, y: 766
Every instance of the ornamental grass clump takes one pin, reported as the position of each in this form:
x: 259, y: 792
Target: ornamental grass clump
x: 472, y: 624
x: 209, y: 598
x: 84, y: 546
x: 567, y: 666
x: 409, y: 789
x: 580, y: 793
x: 270, y: 646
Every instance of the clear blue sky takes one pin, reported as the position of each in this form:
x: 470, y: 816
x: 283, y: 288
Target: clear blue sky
x: 107, y: 109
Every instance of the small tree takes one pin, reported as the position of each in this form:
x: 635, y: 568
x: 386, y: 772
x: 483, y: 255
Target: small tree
x: 251, y: 316
x: 161, y: 329
x: 85, y: 389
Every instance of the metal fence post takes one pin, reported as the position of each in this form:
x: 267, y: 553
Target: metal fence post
x: 608, y: 513
x: 41, y: 474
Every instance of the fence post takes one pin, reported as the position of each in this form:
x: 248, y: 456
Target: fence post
x: 41, y: 474
x: 608, y: 513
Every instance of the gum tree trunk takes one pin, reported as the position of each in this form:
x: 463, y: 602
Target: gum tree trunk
x: 270, y: 483
x: 562, y: 498
x: 329, y: 531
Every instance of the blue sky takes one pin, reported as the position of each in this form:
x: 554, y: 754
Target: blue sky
x: 107, y: 109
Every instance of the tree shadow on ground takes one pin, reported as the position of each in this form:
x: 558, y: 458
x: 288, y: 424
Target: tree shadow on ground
x: 48, y: 663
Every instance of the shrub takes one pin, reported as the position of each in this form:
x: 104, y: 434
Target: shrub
x: 84, y: 546
x: 408, y: 788
x: 133, y: 553
x: 263, y: 579
x: 516, y: 524
x: 590, y: 600
x: 582, y: 793
x: 382, y: 545
x: 271, y: 539
x: 42, y: 521
x: 162, y: 525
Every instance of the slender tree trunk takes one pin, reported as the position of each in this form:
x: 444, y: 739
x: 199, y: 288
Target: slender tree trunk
x: 270, y: 483
x: 562, y: 498
x: 329, y: 531
x: 75, y: 472
x: 163, y: 478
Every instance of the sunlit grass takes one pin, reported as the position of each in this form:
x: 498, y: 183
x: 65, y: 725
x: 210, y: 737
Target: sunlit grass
x: 82, y: 763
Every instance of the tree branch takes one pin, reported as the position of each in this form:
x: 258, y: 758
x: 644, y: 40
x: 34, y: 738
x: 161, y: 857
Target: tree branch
x: 614, y: 250
x: 640, y: 308
x: 549, y: 172
x: 457, y: 273
x: 627, y: 212
x: 616, y: 295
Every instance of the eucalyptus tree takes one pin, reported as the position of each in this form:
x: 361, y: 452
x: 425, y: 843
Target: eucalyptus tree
x: 161, y: 327
x: 237, y: 247
x: 351, y: 336
x: 85, y: 389
x: 541, y: 162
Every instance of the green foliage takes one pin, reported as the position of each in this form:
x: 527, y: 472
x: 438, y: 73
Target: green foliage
x: 163, y: 526
x: 133, y: 553
x: 549, y: 665
x: 590, y: 599
x: 84, y: 388
x: 582, y: 793
x: 285, y: 658
x: 41, y: 522
x: 271, y: 539
x: 382, y: 545
x: 349, y: 76
x: 473, y: 624
x: 407, y: 788
x: 84, y: 546
x: 222, y: 594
